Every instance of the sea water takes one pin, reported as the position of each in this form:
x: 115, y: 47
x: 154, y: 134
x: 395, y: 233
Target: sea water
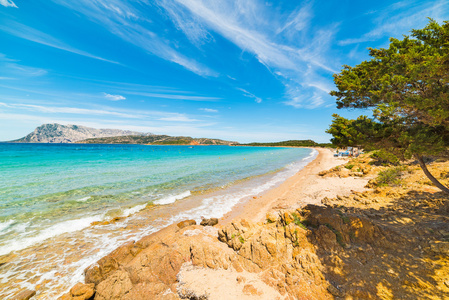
x: 50, y: 194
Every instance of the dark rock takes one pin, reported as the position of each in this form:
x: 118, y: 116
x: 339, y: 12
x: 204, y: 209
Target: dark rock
x: 335, y: 291
x: 209, y: 222
x: 186, y: 223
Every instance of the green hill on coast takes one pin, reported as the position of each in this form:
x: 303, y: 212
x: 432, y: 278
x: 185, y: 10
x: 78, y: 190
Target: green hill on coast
x: 156, y: 140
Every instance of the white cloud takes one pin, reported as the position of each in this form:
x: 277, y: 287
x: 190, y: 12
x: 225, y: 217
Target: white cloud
x: 305, y: 99
x: 210, y: 110
x: 8, y: 3
x: 250, y: 95
x: 113, y: 97
x: 21, y: 70
x: 171, y: 95
x: 276, y: 40
x: 104, y: 111
x: 121, y: 19
x: 395, y: 20
x: 34, y: 35
x: 179, y: 118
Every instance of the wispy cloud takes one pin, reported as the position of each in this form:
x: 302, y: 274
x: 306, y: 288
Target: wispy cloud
x: 8, y: 3
x: 179, y: 118
x: 399, y: 18
x: 172, y: 95
x: 274, y: 39
x: 102, y: 111
x: 25, y: 70
x: 308, y: 100
x: 250, y: 95
x: 113, y: 97
x: 12, y: 69
x: 123, y: 20
x: 209, y: 110
x: 28, y: 33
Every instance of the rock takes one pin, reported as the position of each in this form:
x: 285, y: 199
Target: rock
x: 83, y: 291
x: 271, y: 217
x: 249, y: 289
x: 6, y: 258
x: 25, y: 295
x: 115, y: 286
x: 98, y: 272
x: 241, y: 279
x: 440, y: 247
x: 186, y: 223
x: 287, y: 218
x: 335, y: 291
x: 209, y: 222
x: 326, y: 237
x: 343, y: 173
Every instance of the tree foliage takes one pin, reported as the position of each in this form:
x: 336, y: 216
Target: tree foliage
x: 407, y: 87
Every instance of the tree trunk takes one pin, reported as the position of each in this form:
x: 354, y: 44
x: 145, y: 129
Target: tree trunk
x: 430, y: 176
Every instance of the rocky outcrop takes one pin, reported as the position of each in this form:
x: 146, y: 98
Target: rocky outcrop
x: 80, y: 291
x: 315, y: 252
x: 57, y: 133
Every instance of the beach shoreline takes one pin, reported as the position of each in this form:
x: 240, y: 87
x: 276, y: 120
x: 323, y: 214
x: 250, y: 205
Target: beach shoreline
x: 293, y: 241
x: 304, y: 187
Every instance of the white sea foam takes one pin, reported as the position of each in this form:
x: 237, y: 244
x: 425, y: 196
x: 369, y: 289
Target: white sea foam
x: 5, y: 225
x: 218, y: 206
x: 214, y: 206
x: 172, y: 198
x: 52, y: 231
x: 84, y: 199
x: 133, y: 210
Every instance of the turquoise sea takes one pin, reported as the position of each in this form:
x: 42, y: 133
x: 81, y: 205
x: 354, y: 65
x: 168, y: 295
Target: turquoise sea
x: 51, y: 193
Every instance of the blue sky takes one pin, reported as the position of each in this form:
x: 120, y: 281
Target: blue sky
x: 244, y: 70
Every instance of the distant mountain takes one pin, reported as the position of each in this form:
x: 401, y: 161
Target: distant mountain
x: 57, y: 133
x: 157, y: 140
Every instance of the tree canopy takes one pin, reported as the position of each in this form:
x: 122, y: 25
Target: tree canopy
x: 407, y: 87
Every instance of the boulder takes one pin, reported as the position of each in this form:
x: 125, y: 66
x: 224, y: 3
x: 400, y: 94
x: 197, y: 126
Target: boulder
x: 115, y: 287
x: 83, y: 291
x: 209, y: 222
x: 186, y: 223
x: 79, y: 291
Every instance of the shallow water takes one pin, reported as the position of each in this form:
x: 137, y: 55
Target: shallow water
x: 50, y: 194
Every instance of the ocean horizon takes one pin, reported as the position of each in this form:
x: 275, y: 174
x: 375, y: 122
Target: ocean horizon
x: 51, y: 194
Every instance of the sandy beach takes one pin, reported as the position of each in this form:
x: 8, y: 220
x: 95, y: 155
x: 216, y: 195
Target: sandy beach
x: 305, y: 187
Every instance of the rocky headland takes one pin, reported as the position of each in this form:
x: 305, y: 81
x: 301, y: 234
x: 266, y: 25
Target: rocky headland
x: 57, y: 133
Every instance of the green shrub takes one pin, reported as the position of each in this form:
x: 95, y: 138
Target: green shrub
x: 298, y: 221
x: 390, y: 177
x: 349, y: 166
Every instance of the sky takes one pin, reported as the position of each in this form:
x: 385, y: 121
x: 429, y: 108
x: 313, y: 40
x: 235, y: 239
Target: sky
x: 240, y: 70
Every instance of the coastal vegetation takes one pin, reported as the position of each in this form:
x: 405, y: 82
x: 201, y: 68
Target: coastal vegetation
x: 292, y: 143
x: 156, y: 140
x: 406, y: 87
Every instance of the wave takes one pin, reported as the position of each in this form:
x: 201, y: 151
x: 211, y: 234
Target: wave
x: 5, y: 225
x: 133, y: 210
x: 84, y: 199
x: 50, y: 232
x: 172, y: 198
